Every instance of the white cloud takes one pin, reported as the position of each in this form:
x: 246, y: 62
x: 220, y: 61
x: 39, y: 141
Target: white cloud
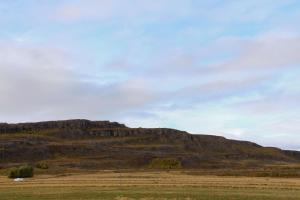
x: 267, y: 53
x: 39, y: 83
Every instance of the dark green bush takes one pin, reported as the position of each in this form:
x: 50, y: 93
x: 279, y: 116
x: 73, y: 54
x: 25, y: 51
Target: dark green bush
x: 42, y: 165
x: 14, y: 173
x: 165, y: 163
x: 25, y: 171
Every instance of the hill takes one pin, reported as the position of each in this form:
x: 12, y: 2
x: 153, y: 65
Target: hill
x: 84, y: 144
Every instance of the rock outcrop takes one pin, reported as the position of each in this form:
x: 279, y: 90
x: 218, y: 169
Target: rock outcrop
x: 64, y: 124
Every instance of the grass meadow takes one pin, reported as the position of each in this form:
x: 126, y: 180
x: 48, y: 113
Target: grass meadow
x: 148, y: 185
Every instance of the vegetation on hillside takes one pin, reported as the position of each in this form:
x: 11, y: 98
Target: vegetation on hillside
x: 42, y: 165
x: 165, y: 163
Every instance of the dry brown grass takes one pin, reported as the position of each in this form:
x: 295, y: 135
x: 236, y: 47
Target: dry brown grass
x: 149, y: 185
x: 174, y: 179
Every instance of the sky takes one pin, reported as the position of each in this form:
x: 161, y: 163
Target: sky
x: 219, y: 67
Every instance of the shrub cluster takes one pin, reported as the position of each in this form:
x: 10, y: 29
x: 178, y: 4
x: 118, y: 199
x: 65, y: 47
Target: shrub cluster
x: 21, y: 172
x: 165, y: 163
x: 42, y: 165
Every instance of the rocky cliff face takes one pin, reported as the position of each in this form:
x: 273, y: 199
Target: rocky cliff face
x: 104, y: 144
x: 66, y: 124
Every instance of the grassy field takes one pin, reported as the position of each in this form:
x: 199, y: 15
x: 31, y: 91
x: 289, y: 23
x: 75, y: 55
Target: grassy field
x: 149, y: 185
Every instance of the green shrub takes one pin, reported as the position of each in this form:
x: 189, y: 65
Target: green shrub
x: 25, y: 171
x: 165, y: 163
x: 42, y: 165
x: 13, y: 173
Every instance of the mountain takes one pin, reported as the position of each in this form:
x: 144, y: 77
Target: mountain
x: 88, y: 144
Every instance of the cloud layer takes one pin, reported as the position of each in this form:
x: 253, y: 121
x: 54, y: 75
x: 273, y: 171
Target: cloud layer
x: 216, y: 67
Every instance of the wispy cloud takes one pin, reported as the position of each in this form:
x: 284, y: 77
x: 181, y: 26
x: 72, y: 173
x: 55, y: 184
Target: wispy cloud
x: 129, y: 10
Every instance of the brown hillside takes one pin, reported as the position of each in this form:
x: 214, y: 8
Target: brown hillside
x: 110, y: 145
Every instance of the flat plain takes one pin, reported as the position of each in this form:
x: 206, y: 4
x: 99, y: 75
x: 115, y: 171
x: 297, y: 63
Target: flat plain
x: 125, y: 185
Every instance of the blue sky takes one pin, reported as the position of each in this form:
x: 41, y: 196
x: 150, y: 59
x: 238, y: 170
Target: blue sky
x: 220, y: 67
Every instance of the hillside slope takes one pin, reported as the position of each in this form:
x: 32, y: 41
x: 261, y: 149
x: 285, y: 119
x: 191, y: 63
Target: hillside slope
x: 110, y: 145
